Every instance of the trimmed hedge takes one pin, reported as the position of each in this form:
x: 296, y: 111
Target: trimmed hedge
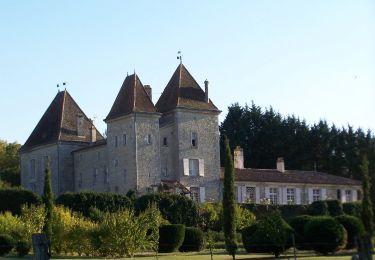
x: 270, y: 234
x: 298, y: 224
x: 318, y: 208
x: 287, y: 211
x: 352, y: 209
x: 353, y: 227
x: 325, y: 235
x: 175, y: 208
x: 12, y: 199
x: 171, y: 237
x: 6, y: 244
x: 335, y: 208
x: 193, y: 241
x: 84, y: 202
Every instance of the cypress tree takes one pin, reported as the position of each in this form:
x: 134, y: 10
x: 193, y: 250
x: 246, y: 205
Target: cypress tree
x: 229, y: 224
x: 367, y: 212
x: 48, y: 202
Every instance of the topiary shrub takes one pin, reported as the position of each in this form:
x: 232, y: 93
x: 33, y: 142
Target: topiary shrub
x: 193, y: 241
x: 22, y: 248
x: 287, y: 211
x: 12, y: 199
x: 318, y: 208
x: 325, y: 235
x: 298, y: 224
x: 177, y: 209
x: 353, y: 227
x: 6, y: 244
x: 270, y: 234
x: 171, y: 237
x: 352, y: 209
x: 334, y: 208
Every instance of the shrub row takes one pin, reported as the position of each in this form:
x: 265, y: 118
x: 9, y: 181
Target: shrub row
x: 7, y: 243
x: 12, y: 199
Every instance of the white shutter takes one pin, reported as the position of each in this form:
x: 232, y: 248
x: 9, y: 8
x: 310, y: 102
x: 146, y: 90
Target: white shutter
x: 239, y: 194
x: 201, y: 167
x: 285, y: 198
x: 243, y: 194
x: 343, y: 197
x: 310, y: 190
x: 280, y: 196
x: 186, y: 166
x: 324, y: 194
x: 257, y: 195
x: 355, y: 195
x: 202, y: 194
x: 298, y: 196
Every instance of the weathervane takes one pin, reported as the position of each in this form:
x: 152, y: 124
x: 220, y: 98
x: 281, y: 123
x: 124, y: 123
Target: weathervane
x: 58, y: 86
x: 179, y: 56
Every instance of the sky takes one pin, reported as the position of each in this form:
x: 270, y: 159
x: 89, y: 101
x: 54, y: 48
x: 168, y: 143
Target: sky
x: 314, y: 59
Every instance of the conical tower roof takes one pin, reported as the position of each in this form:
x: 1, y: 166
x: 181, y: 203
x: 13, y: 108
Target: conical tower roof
x: 131, y: 98
x: 59, y: 123
x: 182, y: 91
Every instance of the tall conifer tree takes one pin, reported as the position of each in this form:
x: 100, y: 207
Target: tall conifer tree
x: 229, y: 203
x: 367, y: 211
x: 48, y: 202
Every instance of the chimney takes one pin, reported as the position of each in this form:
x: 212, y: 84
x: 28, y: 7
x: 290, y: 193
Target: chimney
x: 206, y: 91
x: 148, y: 91
x: 93, y: 134
x: 238, y: 158
x: 280, y: 166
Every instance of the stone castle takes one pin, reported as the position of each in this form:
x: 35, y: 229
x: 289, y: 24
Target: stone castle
x: 173, y: 145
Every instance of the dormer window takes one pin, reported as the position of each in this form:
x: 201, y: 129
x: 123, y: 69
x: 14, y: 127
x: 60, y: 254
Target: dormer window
x: 80, y: 131
x: 124, y: 139
x: 149, y: 140
x: 194, y: 139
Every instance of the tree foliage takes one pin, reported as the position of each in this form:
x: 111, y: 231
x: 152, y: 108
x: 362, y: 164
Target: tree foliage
x: 367, y: 213
x: 48, y: 201
x: 9, y: 163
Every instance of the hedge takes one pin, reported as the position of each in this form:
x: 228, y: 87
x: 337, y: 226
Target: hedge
x: 352, y: 209
x: 325, y: 235
x: 270, y: 234
x: 353, y: 227
x: 193, y: 241
x: 298, y: 224
x: 6, y: 244
x: 175, y: 208
x: 287, y: 211
x: 84, y: 202
x: 171, y: 237
x: 318, y: 208
x: 335, y: 208
x: 12, y: 199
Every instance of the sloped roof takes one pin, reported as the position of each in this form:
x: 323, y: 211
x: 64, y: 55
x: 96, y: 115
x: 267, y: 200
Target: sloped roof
x: 59, y: 123
x: 291, y: 176
x: 131, y: 98
x: 182, y: 91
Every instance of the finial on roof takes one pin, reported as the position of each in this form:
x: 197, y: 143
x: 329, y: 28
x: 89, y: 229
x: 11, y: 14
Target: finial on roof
x: 58, y: 86
x: 179, y: 56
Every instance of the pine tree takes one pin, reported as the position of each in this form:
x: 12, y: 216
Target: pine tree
x: 48, y: 202
x: 229, y: 203
x: 367, y: 212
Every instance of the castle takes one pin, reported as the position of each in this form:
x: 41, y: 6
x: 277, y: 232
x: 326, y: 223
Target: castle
x: 173, y: 145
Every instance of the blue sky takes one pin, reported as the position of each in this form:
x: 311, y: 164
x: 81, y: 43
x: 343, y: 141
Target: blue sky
x: 314, y: 59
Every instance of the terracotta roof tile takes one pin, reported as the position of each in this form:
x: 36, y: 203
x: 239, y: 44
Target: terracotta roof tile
x: 59, y: 123
x: 182, y: 91
x: 131, y: 98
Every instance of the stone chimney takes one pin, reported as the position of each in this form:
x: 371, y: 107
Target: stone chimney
x: 206, y: 91
x: 238, y: 158
x: 280, y: 166
x: 148, y: 91
x: 93, y: 134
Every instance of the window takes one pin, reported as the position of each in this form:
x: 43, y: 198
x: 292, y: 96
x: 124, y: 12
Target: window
x: 291, y: 196
x: 194, y: 193
x: 273, y: 196
x: 194, y: 139
x: 95, y: 176
x: 80, y: 125
x: 32, y: 169
x: 339, y: 194
x: 80, y: 180
x: 115, y: 162
x: 165, y: 141
x: 250, y: 195
x: 106, y: 175
x: 149, y: 139
x: 193, y: 167
x: 348, y: 196
x: 116, y: 141
x: 316, y: 195
x: 124, y: 139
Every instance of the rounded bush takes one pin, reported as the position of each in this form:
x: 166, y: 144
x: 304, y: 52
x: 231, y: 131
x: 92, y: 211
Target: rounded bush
x: 270, y: 234
x: 12, y: 199
x: 353, y: 227
x: 335, y: 207
x: 6, y: 244
x: 298, y: 224
x: 325, y: 235
x: 352, y: 209
x: 193, y: 241
x: 318, y: 208
x: 22, y: 248
x: 171, y: 237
